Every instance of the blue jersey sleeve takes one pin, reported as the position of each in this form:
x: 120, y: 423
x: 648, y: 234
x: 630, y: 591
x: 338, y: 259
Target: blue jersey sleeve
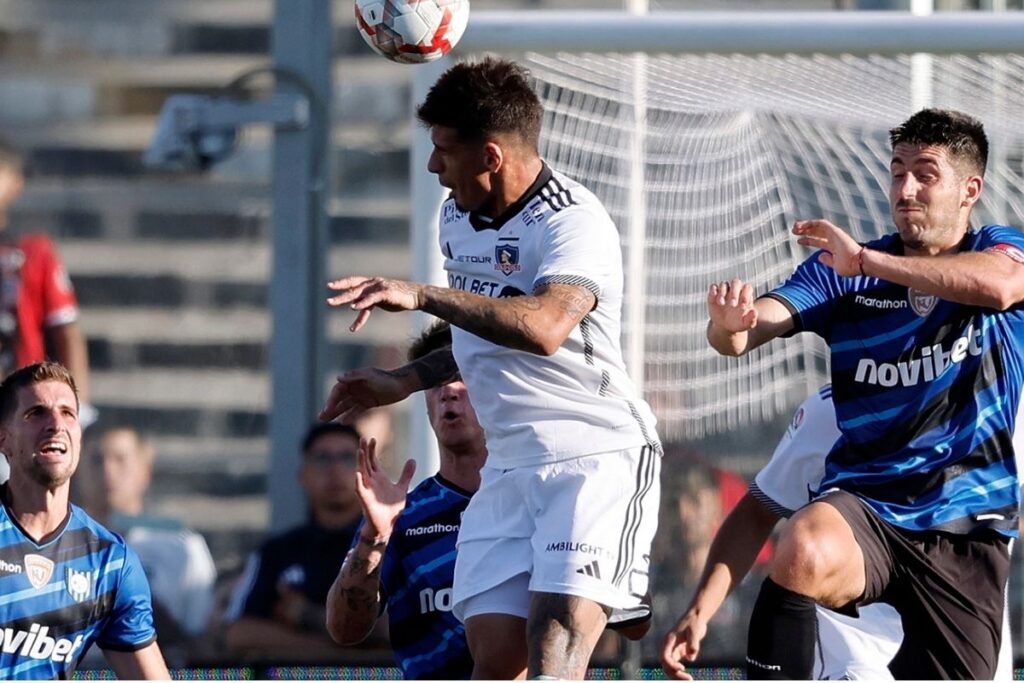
x: 1000, y: 239
x: 810, y: 294
x: 130, y: 625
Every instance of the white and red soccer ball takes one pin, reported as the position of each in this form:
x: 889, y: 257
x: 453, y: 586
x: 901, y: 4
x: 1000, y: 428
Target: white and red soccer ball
x: 412, y: 31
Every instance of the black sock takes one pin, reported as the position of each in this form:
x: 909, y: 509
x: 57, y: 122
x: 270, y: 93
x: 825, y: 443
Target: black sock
x: 783, y: 630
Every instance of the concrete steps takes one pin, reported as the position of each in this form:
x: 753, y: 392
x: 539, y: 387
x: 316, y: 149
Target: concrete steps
x: 172, y: 272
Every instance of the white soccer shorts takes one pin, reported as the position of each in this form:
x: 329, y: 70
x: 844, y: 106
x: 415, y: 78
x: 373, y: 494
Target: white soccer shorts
x: 579, y: 527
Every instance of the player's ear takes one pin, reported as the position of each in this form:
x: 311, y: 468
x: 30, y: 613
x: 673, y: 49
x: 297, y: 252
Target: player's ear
x: 494, y: 156
x: 972, y: 191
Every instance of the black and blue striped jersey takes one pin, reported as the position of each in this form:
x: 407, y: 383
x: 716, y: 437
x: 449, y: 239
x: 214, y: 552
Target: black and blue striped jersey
x: 416, y: 584
x: 83, y: 585
x: 926, y: 392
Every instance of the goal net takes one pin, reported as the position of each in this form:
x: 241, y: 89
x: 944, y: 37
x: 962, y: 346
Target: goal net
x: 705, y: 161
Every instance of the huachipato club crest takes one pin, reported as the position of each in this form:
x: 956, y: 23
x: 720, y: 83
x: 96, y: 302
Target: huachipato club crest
x: 922, y: 303
x: 38, y: 569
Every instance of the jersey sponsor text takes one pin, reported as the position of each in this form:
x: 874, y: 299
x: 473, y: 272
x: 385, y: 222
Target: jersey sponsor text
x: 473, y: 285
x: 439, y: 601
x: 36, y: 644
x: 879, y: 303
x: 436, y: 528
x: 934, y: 360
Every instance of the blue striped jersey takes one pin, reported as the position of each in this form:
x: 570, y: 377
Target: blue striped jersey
x: 926, y: 392
x: 83, y: 585
x: 416, y: 584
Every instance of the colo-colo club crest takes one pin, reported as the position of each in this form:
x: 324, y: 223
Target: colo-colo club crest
x: 506, y: 259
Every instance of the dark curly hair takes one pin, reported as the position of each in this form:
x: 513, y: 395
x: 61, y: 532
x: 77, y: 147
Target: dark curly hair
x: 963, y: 136
x: 436, y: 335
x: 482, y: 99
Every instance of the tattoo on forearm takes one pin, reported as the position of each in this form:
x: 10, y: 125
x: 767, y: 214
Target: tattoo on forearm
x: 575, y: 302
x: 516, y: 322
x: 373, y: 543
x: 358, y: 599
x: 436, y: 368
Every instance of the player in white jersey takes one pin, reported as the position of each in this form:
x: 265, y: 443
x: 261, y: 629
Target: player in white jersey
x: 847, y: 647
x: 555, y: 545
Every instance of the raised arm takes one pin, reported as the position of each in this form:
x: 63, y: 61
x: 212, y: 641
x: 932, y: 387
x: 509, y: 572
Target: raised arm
x: 538, y: 323
x: 975, y: 278
x: 738, y: 324
x: 993, y: 279
x: 353, y: 602
x: 732, y: 553
x: 357, y: 391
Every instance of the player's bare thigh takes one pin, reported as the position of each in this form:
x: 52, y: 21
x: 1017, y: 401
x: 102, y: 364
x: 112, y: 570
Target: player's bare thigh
x: 819, y: 556
x: 561, y: 632
x: 497, y: 643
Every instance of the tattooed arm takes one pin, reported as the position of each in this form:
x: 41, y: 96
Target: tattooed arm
x: 538, y: 323
x: 353, y: 602
x: 357, y: 391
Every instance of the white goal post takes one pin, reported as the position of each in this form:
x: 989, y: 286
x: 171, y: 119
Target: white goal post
x: 721, y: 129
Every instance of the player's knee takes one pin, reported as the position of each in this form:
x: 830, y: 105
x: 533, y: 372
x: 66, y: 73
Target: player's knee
x: 808, y: 558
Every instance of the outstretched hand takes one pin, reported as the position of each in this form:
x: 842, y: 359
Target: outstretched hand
x: 365, y: 293
x: 840, y: 250
x: 681, y: 647
x: 731, y: 306
x: 357, y: 391
x: 381, y: 499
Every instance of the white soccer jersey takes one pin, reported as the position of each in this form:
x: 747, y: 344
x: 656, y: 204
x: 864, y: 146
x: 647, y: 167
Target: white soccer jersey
x: 579, y: 401
x: 847, y: 647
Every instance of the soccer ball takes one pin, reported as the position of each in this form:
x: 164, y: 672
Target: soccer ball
x: 412, y: 31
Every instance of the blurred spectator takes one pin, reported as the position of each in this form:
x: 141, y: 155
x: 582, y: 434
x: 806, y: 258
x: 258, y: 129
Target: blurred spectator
x: 38, y: 308
x: 278, y: 610
x: 698, y: 498
x: 176, y: 559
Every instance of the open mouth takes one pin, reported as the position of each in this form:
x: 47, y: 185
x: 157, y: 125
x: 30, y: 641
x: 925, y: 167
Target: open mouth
x: 53, y: 448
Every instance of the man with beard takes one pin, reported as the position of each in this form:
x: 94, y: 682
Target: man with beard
x: 67, y: 582
x: 919, y: 500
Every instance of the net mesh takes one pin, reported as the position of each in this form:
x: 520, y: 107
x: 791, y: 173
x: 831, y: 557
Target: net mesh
x: 734, y: 149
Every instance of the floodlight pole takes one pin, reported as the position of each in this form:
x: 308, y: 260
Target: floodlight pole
x: 302, y: 45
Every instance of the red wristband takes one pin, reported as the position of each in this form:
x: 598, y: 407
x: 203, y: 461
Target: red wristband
x: 860, y: 260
